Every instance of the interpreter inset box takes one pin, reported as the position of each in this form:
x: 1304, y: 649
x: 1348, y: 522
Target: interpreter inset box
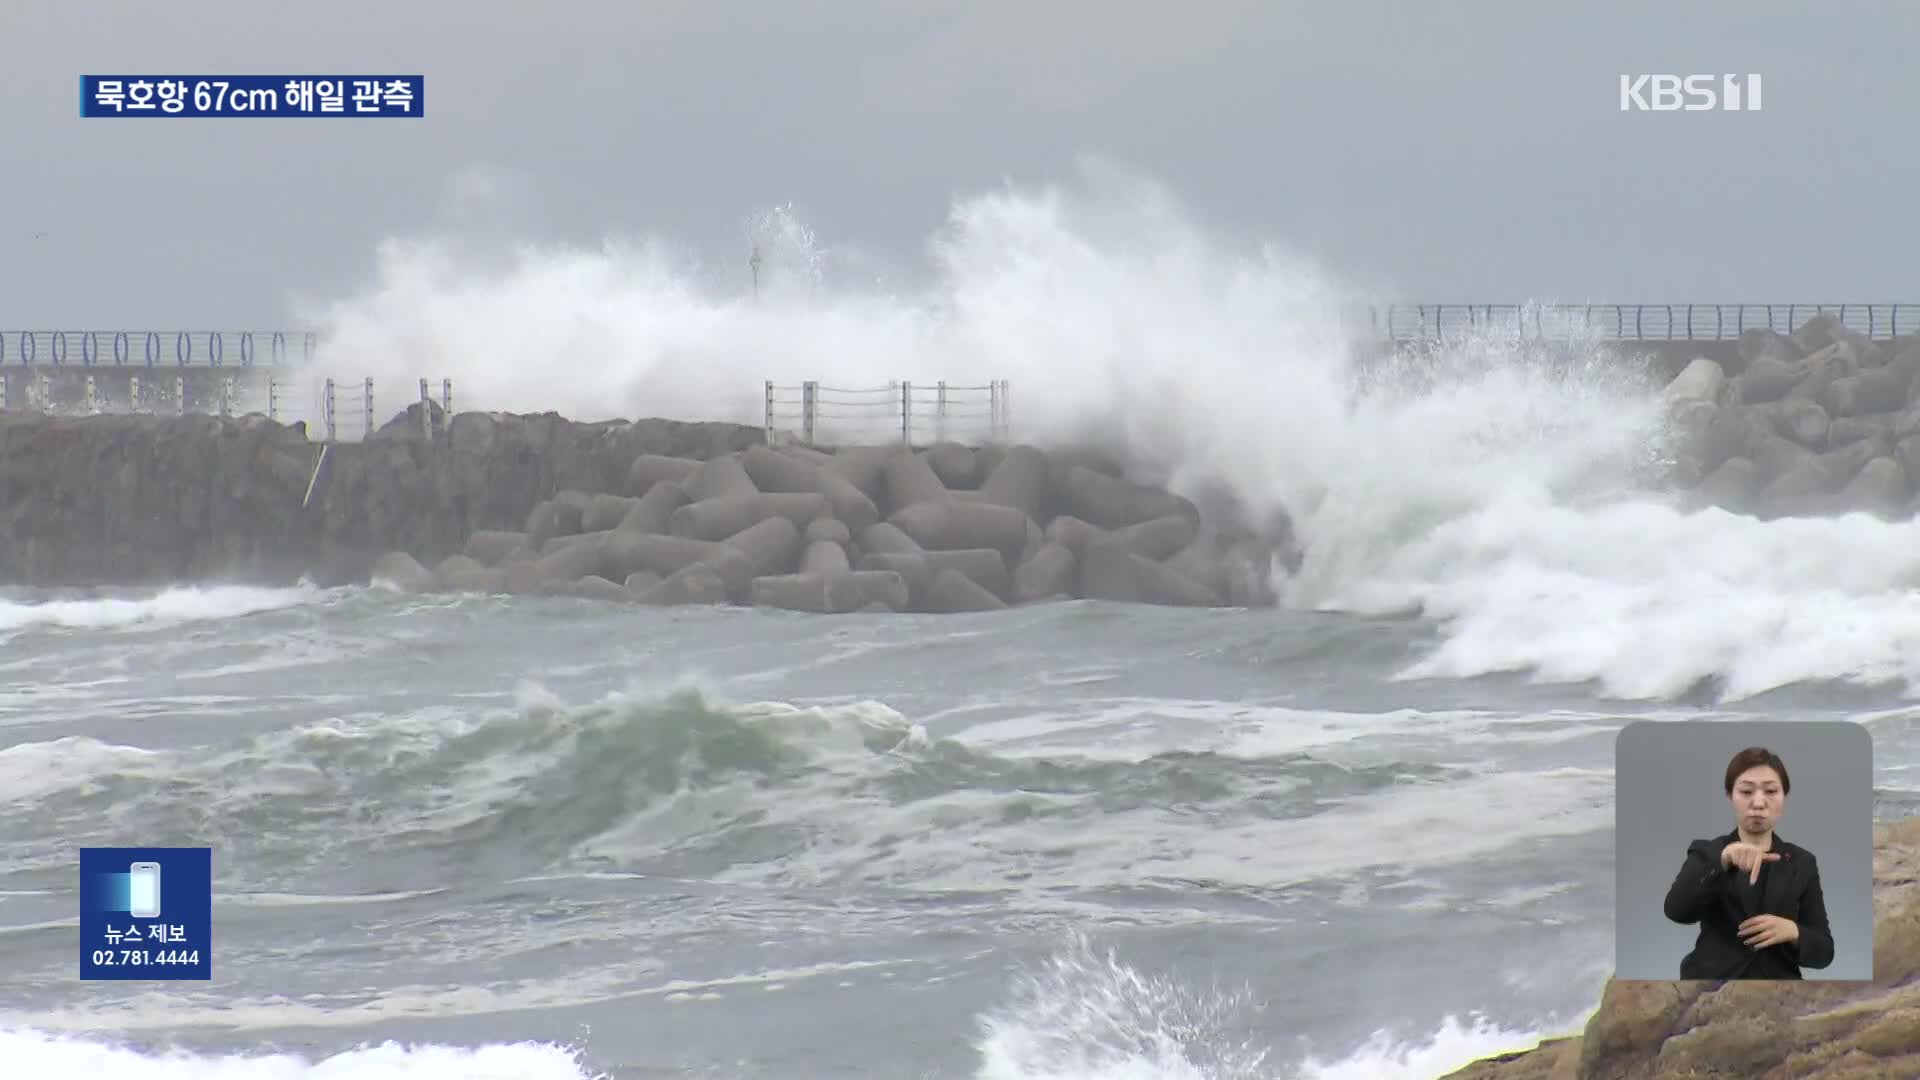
x: 1743, y: 850
x: 146, y: 913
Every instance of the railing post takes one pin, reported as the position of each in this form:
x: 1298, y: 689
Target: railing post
x: 326, y: 410
x: 940, y: 413
x: 446, y: 401
x: 426, y: 412
x: 367, y: 405
x: 768, y: 423
x: 180, y: 393
x: 906, y: 413
x: 809, y: 409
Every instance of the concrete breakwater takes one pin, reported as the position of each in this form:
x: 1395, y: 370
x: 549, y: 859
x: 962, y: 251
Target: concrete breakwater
x: 1820, y: 421
x: 152, y: 499
x: 946, y: 528
x: 654, y: 510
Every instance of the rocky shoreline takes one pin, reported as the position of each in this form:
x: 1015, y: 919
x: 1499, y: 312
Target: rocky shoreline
x: 652, y: 511
x: 1821, y: 421
x: 1759, y: 1030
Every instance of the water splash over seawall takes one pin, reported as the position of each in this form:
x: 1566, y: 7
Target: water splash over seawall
x: 1518, y: 496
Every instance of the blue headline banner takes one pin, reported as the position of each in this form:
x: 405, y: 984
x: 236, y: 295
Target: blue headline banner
x: 146, y: 913
x: 252, y: 95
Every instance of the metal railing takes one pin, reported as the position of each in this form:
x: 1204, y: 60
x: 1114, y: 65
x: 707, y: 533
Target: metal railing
x: 333, y: 410
x: 908, y: 412
x: 347, y: 411
x: 1628, y: 322
x: 1396, y: 322
x: 157, y: 348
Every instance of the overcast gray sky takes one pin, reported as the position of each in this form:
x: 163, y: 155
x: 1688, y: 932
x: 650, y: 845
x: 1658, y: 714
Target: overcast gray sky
x: 1457, y: 151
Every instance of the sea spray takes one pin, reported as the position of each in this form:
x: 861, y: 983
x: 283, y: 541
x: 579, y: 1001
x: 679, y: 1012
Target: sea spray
x: 1513, y: 493
x: 1086, y: 1014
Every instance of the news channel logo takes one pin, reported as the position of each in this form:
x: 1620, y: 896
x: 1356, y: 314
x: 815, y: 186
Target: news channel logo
x: 146, y: 913
x: 1690, y: 93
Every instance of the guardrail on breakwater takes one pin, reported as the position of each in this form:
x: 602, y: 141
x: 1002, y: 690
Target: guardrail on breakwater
x: 348, y: 408
x: 914, y: 413
x: 1628, y: 322
x: 157, y: 348
x: 334, y: 410
x: 1393, y: 322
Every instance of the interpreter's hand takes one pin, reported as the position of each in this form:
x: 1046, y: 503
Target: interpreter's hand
x: 1746, y: 857
x: 1763, y: 931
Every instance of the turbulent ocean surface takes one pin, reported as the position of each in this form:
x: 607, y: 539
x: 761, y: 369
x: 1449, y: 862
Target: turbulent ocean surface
x: 1366, y: 834
x: 545, y: 838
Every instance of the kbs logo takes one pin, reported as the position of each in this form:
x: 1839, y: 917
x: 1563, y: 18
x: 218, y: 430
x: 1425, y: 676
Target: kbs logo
x: 1689, y: 93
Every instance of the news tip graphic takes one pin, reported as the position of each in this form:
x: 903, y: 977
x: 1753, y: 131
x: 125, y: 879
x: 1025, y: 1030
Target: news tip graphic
x: 265, y: 96
x: 146, y: 913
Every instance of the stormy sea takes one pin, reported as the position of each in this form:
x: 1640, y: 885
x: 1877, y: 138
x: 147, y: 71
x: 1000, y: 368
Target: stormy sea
x: 1365, y: 833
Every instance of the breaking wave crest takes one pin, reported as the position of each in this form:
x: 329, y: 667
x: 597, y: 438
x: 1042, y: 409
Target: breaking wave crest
x: 1504, y: 490
x: 172, y: 606
x: 1087, y: 1015
x: 32, y: 1053
x: 682, y: 784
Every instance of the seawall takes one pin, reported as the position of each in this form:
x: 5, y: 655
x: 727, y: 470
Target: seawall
x: 1824, y: 420
x: 149, y: 499
x: 654, y: 511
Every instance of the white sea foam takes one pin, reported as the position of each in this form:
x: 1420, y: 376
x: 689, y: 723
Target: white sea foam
x: 1648, y: 601
x: 171, y: 606
x: 1137, y: 729
x: 34, y: 1053
x: 1453, y: 1044
x: 29, y: 771
x: 1087, y: 1015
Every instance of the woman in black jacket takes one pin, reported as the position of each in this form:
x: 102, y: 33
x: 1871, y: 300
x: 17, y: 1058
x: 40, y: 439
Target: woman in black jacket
x: 1756, y: 897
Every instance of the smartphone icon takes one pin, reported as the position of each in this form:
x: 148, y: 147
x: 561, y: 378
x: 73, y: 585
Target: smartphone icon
x: 143, y: 891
